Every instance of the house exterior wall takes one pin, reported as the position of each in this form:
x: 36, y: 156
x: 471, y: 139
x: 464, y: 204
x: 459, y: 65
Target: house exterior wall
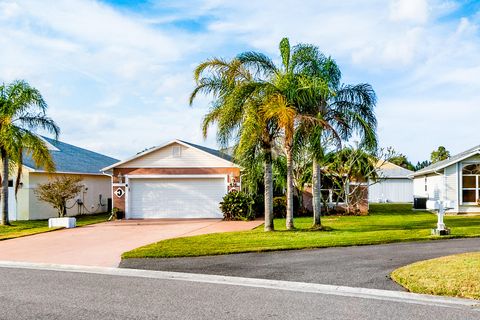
x: 22, y: 201
x: 361, y: 194
x: 164, y: 158
x: 391, y: 190
x: 447, y: 186
x: 119, y: 202
x: 435, y: 186
x: 94, y: 186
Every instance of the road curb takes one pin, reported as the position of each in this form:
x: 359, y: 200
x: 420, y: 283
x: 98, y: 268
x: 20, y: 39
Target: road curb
x: 365, y: 293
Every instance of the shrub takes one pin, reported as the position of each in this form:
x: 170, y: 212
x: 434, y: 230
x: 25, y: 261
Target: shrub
x: 237, y: 205
x: 279, y: 207
x: 58, y: 191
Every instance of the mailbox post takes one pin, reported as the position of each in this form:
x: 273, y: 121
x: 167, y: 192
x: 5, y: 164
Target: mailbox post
x: 439, y: 207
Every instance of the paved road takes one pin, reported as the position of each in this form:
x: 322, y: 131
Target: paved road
x: 367, y: 266
x: 34, y: 294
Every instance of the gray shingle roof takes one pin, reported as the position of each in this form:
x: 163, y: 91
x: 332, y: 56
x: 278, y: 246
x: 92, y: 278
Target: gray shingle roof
x: 445, y: 163
x: 73, y: 159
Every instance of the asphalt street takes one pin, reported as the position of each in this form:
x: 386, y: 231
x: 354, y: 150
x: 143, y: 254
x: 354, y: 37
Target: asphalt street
x: 35, y: 294
x: 364, y: 266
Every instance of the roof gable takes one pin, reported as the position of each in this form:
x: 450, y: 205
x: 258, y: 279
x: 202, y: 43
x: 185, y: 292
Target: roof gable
x: 71, y: 159
x: 186, y: 155
x: 390, y: 170
x: 452, y: 160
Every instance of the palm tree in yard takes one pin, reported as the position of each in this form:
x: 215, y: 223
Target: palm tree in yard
x: 347, y: 110
x: 22, y: 112
x: 237, y: 111
x: 291, y: 95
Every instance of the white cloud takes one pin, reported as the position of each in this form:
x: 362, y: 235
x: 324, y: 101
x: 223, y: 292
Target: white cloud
x: 409, y: 10
x: 118, y: 81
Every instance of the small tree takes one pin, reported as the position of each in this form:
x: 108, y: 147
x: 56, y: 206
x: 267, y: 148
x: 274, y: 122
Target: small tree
x: 439, y: 155
x: 58, y: 192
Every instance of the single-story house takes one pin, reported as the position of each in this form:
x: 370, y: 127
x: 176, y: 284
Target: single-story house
x: 69, y: 160
x: 177, y: 179
x: 455, y: 179
x: 393, y: 185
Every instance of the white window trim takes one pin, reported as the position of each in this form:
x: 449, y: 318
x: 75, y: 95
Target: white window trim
x: 477, y: 189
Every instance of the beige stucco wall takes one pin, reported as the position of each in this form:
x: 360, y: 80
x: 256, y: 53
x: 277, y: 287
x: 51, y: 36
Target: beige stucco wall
x: 94, y: 185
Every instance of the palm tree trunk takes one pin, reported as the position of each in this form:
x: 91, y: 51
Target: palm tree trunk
x: 289, y: 217
x: 268, y: 181
x: 4, y: 219
x: 317, y: 194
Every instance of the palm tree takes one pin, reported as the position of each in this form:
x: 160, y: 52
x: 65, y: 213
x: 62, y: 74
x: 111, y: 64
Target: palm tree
x: 292, y: 92
x: 346, y: 110
x: 237, y: 110
x: 22, y: 111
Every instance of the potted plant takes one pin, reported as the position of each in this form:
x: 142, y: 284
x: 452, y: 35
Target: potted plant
x: 57, y: 192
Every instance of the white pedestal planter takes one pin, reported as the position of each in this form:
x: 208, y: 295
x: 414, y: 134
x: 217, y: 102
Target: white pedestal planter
x: 66, y: 222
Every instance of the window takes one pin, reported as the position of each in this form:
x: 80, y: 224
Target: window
x: 176, y: 151
x: 470, y: 183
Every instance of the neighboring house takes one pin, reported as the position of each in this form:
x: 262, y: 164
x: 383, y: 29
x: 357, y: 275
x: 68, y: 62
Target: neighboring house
x: 69, y: 160
x: 455, y: 179
x: 175, y: 180
x: 394, y: 184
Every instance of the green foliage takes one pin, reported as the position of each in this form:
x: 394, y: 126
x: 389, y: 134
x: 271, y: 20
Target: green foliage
x: 22, y: 111
x: 58, y: 191
x: 237, y: 205
x: 257, y: 105
x: 402, y: 161
x: 439, y: 155
x: 421, y: 165
x: 279, y: 207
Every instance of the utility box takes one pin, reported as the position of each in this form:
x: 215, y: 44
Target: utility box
x: 420, y: 203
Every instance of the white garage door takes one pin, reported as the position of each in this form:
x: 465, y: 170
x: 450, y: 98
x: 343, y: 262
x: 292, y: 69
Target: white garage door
x: 176, y: 198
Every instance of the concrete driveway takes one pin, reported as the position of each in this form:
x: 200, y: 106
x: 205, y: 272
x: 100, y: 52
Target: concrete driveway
x: 102, y: 244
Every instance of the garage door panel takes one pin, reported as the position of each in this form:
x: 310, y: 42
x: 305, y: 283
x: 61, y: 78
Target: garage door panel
x: 176, y: 198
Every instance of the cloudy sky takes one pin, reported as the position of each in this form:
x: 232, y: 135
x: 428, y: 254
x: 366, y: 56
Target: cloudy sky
x: 117, y: 74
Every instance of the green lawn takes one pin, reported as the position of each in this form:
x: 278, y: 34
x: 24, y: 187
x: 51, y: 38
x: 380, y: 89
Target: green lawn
x: 456, y: 276
x: 386, y: 223
x: 25, y: 228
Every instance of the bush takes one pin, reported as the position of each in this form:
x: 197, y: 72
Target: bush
x: 237, y: 205
x: 279, y: 207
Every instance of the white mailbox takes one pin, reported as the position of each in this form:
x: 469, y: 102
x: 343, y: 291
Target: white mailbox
x: 433, y: 205
x: 448, y: 204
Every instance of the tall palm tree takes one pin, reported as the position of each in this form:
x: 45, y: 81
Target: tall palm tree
x: 22, y: 112
x: 237, y: 111
x: 346, y: 110
x: 291, y: 94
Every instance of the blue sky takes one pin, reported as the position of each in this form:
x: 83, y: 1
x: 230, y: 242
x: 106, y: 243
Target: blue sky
x: 117, y: 74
